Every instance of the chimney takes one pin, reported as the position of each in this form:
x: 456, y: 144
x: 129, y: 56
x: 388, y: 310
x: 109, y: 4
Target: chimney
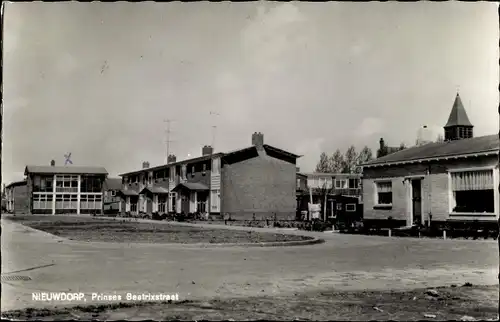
x: 171, y: 159
x: 382, y: 143
x: 258, y: 140
x: 52, y: 163
x: 145, y: 165
x: 207, y: 150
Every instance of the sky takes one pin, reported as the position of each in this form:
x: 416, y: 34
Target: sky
x: 100, y: 79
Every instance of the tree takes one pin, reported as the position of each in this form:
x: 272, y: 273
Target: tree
x: 402, y: 146
x: 364, y: 156
x: 323, y: 164
x: 440, y: 138
x: 337, y: 162
x: 350, y: 160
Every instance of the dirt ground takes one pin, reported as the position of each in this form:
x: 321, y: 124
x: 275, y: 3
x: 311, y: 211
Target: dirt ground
x: 451, y: 303
x: 102, y: 230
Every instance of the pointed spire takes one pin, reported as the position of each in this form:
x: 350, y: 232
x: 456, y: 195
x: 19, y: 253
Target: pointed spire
x: 458, y: 116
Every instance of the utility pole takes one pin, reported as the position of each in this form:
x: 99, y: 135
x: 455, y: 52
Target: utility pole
x: 168, y: 131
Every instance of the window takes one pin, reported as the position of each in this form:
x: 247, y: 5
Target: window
x: 42, y: 201
x: 201, y: 202
x: 66, y: 183
x: 171, y: 204
x: 340, y: 183
x: 43, y: 184
x: 353, y: 183
x: 472, y: 192
x: 298, y: 183
x: 133, y: 205
x: 90, y: 201
x: 384, y: 193
x: 162, y: 200
x: 350, y: 207
x: 90, y: 184
x: 339, y: 206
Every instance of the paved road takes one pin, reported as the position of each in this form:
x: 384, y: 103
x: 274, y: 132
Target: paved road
x: 343, y: 262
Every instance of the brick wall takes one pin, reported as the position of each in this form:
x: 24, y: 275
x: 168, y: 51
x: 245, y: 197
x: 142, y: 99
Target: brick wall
x: 21, y: 200
x: 435, y: 196
x: 398, y: 211
x: 262, y: 185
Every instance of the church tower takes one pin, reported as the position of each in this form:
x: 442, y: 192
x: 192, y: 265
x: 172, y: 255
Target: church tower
x: 458, y: 126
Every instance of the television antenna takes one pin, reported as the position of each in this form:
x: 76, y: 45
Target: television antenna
x: 68, y: 159
x: 168, y: 131
x: 214, y: 130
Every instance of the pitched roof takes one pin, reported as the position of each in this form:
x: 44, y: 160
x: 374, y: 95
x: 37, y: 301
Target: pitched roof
x: 129, y: 192
x: 331, y: 174
x: 275, y: 149
x: 205, y: 157
x: 16, y: 184
x: 64, y: 169
x: 113, y: 184
x: 458, y: 116
x: 156, y: 189
x: 194, y: 186
x: 457, y: 148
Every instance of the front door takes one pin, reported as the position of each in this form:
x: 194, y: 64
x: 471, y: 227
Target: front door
x: 416, y: 186
x: 185, y: 203
x: 149, y: 205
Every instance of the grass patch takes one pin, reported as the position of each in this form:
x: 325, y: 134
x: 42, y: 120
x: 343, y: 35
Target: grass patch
x: 106, y: 230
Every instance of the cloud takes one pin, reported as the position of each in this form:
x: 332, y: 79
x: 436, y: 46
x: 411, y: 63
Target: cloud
x: 369, y: 126
x: 310, y: 149
x: 12, y: 29
x: 66, y: 63
x: 274, y: 36
x: 359, y: 47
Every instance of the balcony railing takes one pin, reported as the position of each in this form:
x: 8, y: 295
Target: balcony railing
x: 67, y: 189
x: 348, y: 191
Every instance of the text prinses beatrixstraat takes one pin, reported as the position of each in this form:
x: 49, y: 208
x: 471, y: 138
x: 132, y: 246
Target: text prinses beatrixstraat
x: 102, y: 297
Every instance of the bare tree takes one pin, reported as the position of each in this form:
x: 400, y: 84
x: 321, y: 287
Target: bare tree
x: 323, y: 192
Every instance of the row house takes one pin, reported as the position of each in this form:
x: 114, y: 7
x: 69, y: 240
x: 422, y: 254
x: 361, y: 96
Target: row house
x: 112, y: 200
x: 16, y: 196
x: 259, y: 179
x: 65, y: 189
x: 454, y: 182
